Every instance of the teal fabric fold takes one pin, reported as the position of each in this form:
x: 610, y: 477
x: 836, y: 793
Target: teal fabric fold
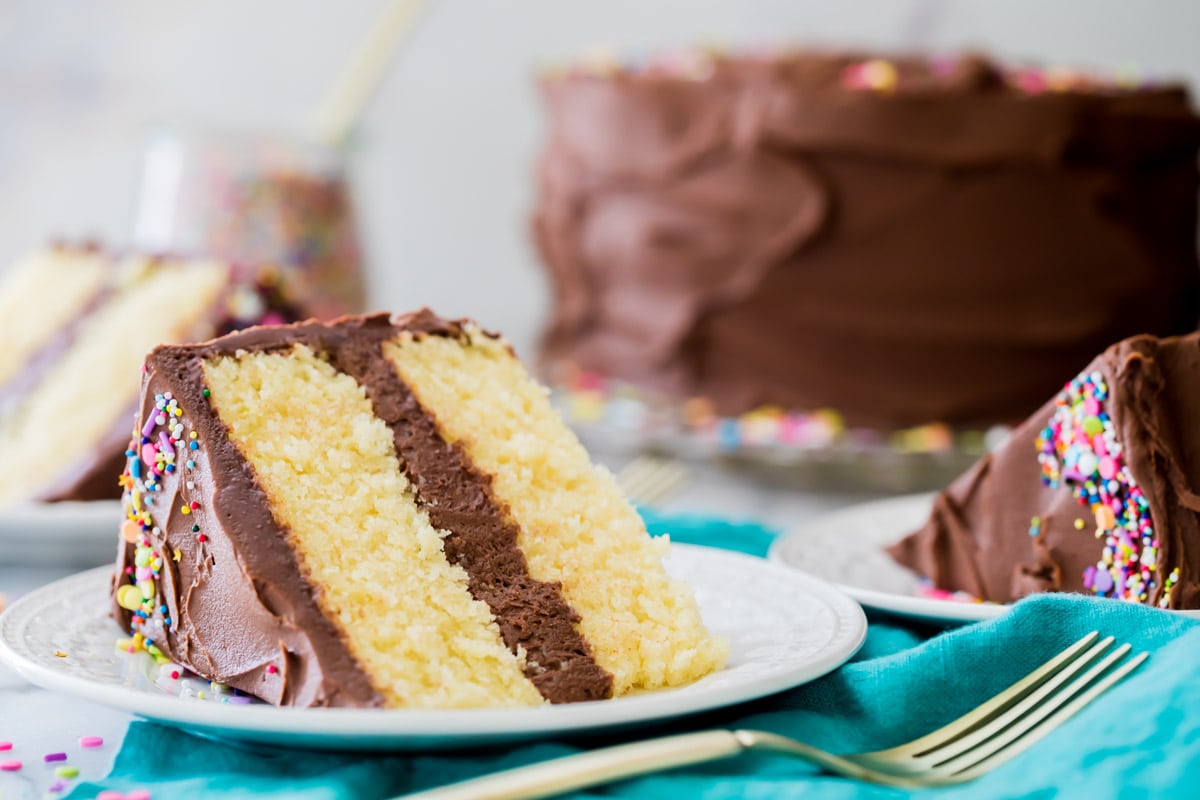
x: 1141, y: 739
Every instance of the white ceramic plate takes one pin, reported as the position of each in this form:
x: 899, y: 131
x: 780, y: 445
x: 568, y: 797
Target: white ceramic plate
x: 783, y: 629
x: 847, y: 548
x: 74, y: 534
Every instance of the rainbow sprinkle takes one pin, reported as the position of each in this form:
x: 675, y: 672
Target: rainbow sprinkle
x: 1079, y: 447
x: 155, y: 452
x: 874, y: 74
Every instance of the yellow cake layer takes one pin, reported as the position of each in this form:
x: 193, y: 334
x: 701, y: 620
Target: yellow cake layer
x: 575, y: 525
x: 85, y: 396
x: 330, y: 469
x: 43, y: 293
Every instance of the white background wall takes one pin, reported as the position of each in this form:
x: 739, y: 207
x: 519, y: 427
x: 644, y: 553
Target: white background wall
x: 443, y: 171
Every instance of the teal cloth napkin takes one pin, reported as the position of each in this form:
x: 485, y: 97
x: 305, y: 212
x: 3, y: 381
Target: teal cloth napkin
x: 1142, y: 739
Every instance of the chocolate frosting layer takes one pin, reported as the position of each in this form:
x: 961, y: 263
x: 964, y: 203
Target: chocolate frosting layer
x: 764, y: 235
x: 978, y: 537
x: 280, y: 647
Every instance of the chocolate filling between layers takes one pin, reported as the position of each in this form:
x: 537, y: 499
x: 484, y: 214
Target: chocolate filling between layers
x: 532, y: 615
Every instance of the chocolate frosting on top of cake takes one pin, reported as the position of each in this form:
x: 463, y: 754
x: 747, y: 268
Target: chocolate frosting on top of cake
x: 241, y: 610
x: 1000, y: 532
x: 947, y: 249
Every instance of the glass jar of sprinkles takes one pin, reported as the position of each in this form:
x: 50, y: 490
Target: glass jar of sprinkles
x: 262, y: 202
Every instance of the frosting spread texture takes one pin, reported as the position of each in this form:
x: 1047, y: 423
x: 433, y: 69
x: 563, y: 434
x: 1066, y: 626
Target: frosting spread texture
x: 1094, y: 493
x: 942, y: 242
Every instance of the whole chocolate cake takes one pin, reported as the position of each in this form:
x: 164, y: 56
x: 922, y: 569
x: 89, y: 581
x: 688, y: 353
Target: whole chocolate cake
x: 902, y: 241
x: 1098, y: 492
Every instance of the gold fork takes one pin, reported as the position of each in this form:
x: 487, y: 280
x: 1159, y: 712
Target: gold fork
x: 649, y: 479
x: 964, y: 749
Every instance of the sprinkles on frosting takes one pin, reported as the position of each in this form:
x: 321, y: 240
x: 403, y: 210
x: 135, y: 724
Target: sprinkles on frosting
x: 591, y: 399
x: 1079, y: 447
x: 162, y: 447
x: 875, y: 74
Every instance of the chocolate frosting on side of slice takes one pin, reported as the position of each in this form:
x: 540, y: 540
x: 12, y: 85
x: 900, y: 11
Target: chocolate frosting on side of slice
x: 241, y: 612
x: 982, y: 536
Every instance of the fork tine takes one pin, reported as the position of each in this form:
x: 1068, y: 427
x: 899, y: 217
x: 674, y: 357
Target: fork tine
x: 997, y: 705
x: 1021, y: 743
x: 633, y: 475
x: 1030, y: 700
x: 629, y: 474
x: 659, y: 483
x: 1037, y: 706
x: 647, y: 479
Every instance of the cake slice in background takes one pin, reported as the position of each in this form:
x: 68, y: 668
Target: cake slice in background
x: 1097, y: 492
x: 44, y: 293
x: 77, y: 322
x: 387, y: 512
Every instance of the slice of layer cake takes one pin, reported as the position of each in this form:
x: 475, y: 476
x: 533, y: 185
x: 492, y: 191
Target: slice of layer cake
x: 1097, y: 492
x: 76, y: 323
x: 387, y: 512
x: 83, y: 322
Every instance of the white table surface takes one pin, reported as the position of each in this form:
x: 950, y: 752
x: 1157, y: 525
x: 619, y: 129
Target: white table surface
x: 38, y: 722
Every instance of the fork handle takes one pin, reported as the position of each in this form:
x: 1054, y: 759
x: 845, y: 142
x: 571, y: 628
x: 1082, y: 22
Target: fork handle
x: 595, y: 767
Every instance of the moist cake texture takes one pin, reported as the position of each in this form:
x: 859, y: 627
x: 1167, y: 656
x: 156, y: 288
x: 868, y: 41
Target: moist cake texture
x: 387, y: 512
x: 1098, y: 492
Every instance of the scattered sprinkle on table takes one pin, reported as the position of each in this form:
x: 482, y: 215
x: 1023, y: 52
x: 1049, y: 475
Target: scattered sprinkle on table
x: 10, y: 766
x: 5, y: 745
x: 90, y: 741
x: 54, y: 757
x: 59, y: 654
x: 67, y: 772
